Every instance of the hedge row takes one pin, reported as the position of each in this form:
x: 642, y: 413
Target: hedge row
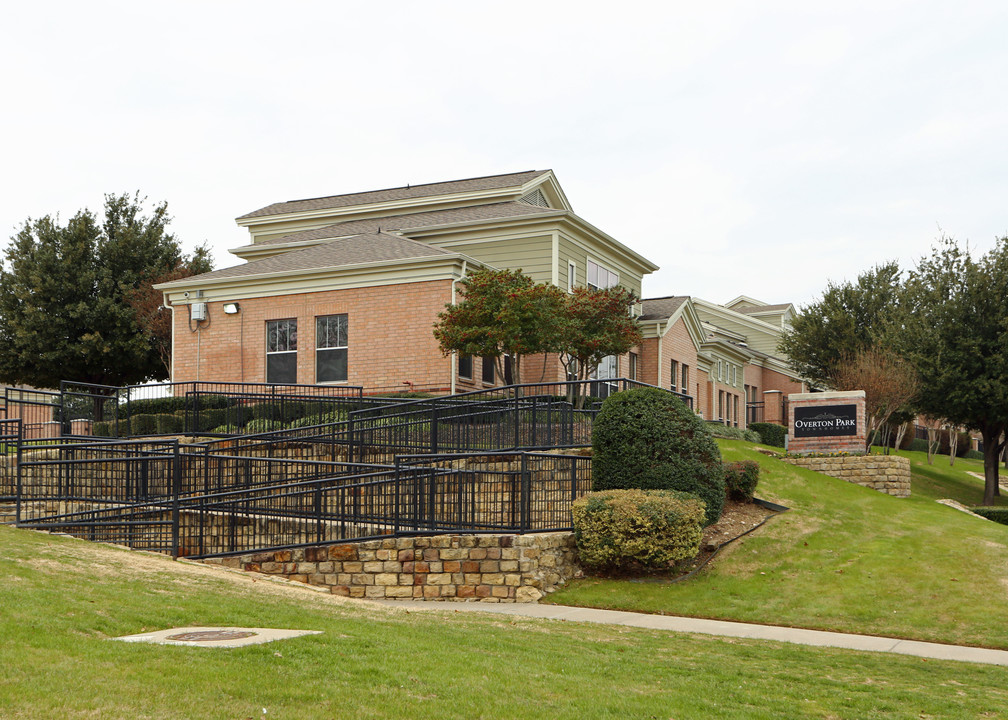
x: 731, y: 433
x: 769, y: 433
x: 997, y: 514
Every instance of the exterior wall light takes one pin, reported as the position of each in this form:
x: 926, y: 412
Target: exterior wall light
x: 230, y: 308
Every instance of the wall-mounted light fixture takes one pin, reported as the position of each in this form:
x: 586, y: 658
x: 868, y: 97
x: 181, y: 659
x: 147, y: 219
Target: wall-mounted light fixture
x: 230, y: 308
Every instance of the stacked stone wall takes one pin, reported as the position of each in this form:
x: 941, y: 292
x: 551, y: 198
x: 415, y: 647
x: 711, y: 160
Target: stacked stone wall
x: 485, y: 568
x: 889, y: 474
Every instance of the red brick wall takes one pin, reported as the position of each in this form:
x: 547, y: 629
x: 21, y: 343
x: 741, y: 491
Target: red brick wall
x: 389, y: 332
x: 677, y: 345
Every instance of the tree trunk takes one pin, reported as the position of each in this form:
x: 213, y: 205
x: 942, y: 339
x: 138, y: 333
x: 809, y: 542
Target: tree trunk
x: 932, y: 440
x: 953, y: 445
x: 900, y: 433
x: 991, y: 435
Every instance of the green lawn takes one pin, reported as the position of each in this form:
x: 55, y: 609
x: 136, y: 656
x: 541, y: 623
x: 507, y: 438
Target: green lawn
x: 845, y: 558
x: 60, y: 601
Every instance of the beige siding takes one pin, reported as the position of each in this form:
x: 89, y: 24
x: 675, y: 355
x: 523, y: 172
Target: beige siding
x: 530, y: 254
x: 756, y: 338
x: 579, y: 253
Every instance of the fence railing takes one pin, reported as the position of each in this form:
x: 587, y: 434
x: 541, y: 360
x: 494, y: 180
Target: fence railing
x: 195, y: 407
x: 147, y: 497
x: 10, y: 442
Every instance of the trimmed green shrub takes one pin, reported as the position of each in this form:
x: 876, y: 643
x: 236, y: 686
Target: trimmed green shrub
x: 654, y: 528
x: 102, y: 429
x: 156, y: 406
x: 262, y: 425
x: 732, y: 433
x: 142, y: 425
x: 213, y: 417
x: 226, y: 430
x: 648, y: 439
x: 169, y: 424
x: 997, y: 514
x: 741, y: 479
x: 973, y: 455
x: 918, y: 445
x: 769, y: 433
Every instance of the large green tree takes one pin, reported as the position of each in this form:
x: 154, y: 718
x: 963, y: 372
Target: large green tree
x: 849, y: 319
x: 955, y: 331
x: 501, y: 314
x: 66, y: 291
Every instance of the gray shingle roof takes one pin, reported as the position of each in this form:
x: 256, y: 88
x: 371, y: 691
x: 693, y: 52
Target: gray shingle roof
x: 373, y: 247
x: 491, y: 182
x: 662, y: 308
x: 414, y: 220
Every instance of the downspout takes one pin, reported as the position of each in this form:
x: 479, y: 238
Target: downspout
x: 171, y: 308
x: 661, y: 363
x: 453, y: 360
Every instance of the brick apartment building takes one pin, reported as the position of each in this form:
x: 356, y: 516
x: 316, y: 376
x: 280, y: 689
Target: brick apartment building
x: 346, y: 289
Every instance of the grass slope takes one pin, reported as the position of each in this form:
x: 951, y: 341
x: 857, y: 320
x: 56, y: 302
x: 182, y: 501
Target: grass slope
x: 60, y: 601
x: 843, y: 558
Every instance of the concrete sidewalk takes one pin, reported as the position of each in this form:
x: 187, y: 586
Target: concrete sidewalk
x: 724, y: 628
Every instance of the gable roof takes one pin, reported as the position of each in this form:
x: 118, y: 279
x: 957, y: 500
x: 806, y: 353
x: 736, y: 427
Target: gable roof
x: 662, y: 308
x: 430, y: 218
x: 490, y: 182
x: 355, y: 250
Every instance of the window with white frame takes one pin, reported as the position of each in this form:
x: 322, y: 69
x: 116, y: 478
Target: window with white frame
x: 720, y: 374
x: 331, y: 345
x: 685, y: 379
x: 675, y: 375
x: 600, y: 278
x: 571, y: 275
x: 465, y: 367
x: 281, y: 351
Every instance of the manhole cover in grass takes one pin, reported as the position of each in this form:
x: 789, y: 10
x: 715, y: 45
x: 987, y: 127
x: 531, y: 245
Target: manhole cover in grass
x: 212, y: 636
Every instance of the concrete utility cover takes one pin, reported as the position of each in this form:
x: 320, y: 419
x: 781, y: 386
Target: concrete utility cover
x: 227, y: 637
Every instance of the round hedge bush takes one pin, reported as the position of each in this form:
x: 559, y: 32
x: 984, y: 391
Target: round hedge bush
x: 646, y: 438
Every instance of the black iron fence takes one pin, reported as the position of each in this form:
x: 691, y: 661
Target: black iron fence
x: 10, y: 442
x: 754, y: 412
x: 38, y: 410
x: 198, y: 407
x: 166, y: 498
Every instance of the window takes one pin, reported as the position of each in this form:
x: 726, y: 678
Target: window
x: 735, y: 399
x: 600, y: 278
x: 720, y: 405
x: 488, y: 370
x: 281, y: 351
x: 331, y: 348
x: 734, y: 375
x: 720, y: 375
x: 685, y: 379
x: 465, y: 367
x: 633, y: 366
x: 571, y: 275
x: 675, y: 374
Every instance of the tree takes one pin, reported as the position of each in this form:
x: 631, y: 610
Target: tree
x: 502, y: 314
x: 889, y: 383
x: 153, y: 318
x: 954, y: 331
x: 64, y: 289
x: 848, y: 319
x: 596, y: 324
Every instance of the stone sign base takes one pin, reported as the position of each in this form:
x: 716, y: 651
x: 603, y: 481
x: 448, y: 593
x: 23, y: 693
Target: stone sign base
x: 889, y: 474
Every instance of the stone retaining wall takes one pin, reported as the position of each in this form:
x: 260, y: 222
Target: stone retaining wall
x: 886, y: 473
x: 487, y: 568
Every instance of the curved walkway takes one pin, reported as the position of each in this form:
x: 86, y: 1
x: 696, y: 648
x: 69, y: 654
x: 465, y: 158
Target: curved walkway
x: 725, y: 628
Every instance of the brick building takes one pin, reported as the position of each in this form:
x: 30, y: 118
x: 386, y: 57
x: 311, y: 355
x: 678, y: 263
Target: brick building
x: 346, y: 289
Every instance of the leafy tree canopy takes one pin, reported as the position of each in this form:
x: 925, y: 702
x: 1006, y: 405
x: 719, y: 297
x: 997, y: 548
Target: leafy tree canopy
x: 68, y: 295
x: 849, y: 319
x: 954, y: 329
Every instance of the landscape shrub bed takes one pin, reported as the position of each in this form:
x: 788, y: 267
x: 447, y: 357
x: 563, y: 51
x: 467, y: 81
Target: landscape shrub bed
x: 997, y: 514
x: 647, y: 439
x: 731, y: 433
x: 652, y: 528
x: 973, y: 455
x: 918, y: 445
x: 769, y: 433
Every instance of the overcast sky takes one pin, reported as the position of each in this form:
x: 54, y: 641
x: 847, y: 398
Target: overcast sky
x: 746, y: 148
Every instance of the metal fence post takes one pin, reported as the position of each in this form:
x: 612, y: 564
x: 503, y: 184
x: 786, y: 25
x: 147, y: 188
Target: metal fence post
x: 176, y: 491
x: 434, y: 429
x: 525, y: 497
x: 17, y: 490
x: 395, y: 509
